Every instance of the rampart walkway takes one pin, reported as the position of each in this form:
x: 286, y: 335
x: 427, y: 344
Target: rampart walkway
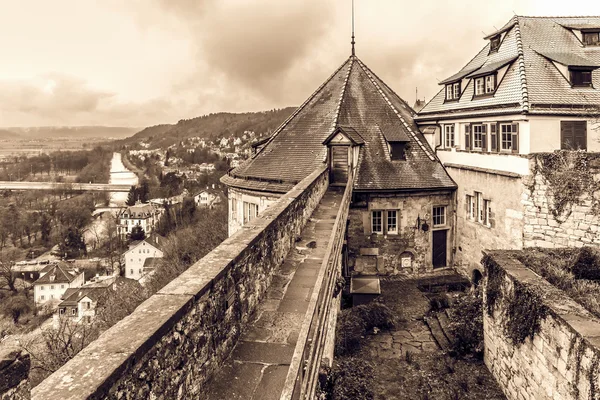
x: 259, y: 364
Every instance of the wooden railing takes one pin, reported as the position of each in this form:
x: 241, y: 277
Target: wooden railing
x: 302, y: 377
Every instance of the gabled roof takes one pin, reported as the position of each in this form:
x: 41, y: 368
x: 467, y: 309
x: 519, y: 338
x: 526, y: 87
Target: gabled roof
x: 355, y: 100
x: 59, y: 273
x: 73, y: 296
x: 347, y: 131
x: 153, y: 239
x: 532, y: 83
x: 139, y: 211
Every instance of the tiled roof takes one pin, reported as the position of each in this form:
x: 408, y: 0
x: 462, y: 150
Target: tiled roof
x: 369, y: 112
x: 569, y: 59
x: 349, y: 132
x: 59, y: 273
x: 530, y: 44
x: 153, y: 239
x: 73, y: 296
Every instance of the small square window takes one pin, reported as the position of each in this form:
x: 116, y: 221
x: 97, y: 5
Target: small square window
x: 581, y: 77
x: 591, y: 38
x: 377, y: 221
x: 495, y: 44
x: 439, y: 216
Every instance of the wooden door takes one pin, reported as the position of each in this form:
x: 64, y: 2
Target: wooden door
x: 339, y: 164
x: 439, y: 248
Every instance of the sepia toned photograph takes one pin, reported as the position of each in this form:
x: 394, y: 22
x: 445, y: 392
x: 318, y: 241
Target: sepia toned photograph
x: 299, y: 200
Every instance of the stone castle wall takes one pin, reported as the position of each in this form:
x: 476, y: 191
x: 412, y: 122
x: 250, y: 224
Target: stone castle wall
x: 505, y: 231
x: 577, y: 226
x: 173, y: 342
x: 383, y: 254
x: 563, y: 359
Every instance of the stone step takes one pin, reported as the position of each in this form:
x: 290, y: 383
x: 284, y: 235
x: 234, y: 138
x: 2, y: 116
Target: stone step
x: 444, y: 324
x: 437, y: 332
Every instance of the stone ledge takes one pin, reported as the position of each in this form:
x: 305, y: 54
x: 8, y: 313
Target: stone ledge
x: 563, y: 307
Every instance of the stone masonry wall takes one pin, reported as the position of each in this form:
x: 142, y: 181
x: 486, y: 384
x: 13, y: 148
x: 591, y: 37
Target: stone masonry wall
x: 506, y: 228
x: 579, y: 226
x: 562, y: 361
x: 382, y: 254
x: 14, y: 376
x: 173, y: 342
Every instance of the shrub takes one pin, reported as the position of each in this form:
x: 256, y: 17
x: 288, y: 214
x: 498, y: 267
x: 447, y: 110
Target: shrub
x: 587, y: 264
x: 354, y: 323
x: 466, y: 325
x: 351, y: 379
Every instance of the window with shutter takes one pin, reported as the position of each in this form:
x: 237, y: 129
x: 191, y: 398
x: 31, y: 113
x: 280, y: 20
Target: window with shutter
x: 509, y: 137
x: 478, y: 137
x: 573, y: 135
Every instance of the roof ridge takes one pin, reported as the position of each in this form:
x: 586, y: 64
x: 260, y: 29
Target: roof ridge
x: 383, y: 95
x: 293, y: 115
x: 556, y: 16
x: 339, y: 107
x: 522, y: 74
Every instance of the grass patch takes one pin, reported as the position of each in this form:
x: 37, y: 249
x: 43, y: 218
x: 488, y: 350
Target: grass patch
x: 557, y: 266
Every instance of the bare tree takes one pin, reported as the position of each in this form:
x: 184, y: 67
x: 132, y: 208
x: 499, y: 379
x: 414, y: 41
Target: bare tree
x: 57, y: 345
x: 8, y: 277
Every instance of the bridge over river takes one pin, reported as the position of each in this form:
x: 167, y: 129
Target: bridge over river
x: 83, y: 187
x: 253, y: 319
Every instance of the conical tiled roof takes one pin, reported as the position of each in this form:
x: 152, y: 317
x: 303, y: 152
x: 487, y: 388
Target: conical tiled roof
x: 353, y: 97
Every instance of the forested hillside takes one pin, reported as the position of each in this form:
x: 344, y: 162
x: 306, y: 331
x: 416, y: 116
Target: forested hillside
x: 212, y: 126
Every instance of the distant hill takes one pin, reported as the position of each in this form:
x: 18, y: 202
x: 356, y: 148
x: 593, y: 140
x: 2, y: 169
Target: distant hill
x: 212, y: 126
x: 73, y: 132
x: 5, y: 134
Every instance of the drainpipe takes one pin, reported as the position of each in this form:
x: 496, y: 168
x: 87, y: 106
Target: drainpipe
x: 437, y: 123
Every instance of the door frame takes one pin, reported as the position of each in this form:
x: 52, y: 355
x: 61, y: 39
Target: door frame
x: 447, y: 229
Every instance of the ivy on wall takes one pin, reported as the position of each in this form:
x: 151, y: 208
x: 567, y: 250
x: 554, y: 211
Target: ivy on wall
x: 569, y: 177
x: 524, y: 311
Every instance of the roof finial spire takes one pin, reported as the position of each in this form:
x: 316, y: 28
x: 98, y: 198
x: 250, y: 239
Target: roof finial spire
x: 353, y: 42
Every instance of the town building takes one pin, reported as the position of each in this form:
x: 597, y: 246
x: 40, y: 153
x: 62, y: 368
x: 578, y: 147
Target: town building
x: 402, y: 213
x: 139, y: 251
x: 53, y: 282
x: 80, y: 304
x: 533, y: 88
x: 206, y: 199
x: 144, y: 215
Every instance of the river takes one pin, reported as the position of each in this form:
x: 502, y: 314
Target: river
x: 122, y: 176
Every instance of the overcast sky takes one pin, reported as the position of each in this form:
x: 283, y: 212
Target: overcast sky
x: 144, y: 62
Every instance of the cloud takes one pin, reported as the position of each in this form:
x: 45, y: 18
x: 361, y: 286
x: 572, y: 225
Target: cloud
x: 53, y: 99
x: 252, y: 46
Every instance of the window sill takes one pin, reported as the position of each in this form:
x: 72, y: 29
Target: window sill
x: 483, y: 96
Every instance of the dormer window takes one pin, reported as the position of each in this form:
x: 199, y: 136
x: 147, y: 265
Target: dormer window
x: 398, y: 150
x: 453, y: 91
x: 591, y: 38
x: 581, y: 77
x: 485, y: 85
x: 494, y: 44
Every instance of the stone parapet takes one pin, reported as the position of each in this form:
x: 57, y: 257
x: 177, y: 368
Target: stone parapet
x: 174, y: 341
x: 562, y: 360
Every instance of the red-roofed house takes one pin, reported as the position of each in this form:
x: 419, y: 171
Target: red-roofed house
x: 53, y: 282
x: 138, y: 252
